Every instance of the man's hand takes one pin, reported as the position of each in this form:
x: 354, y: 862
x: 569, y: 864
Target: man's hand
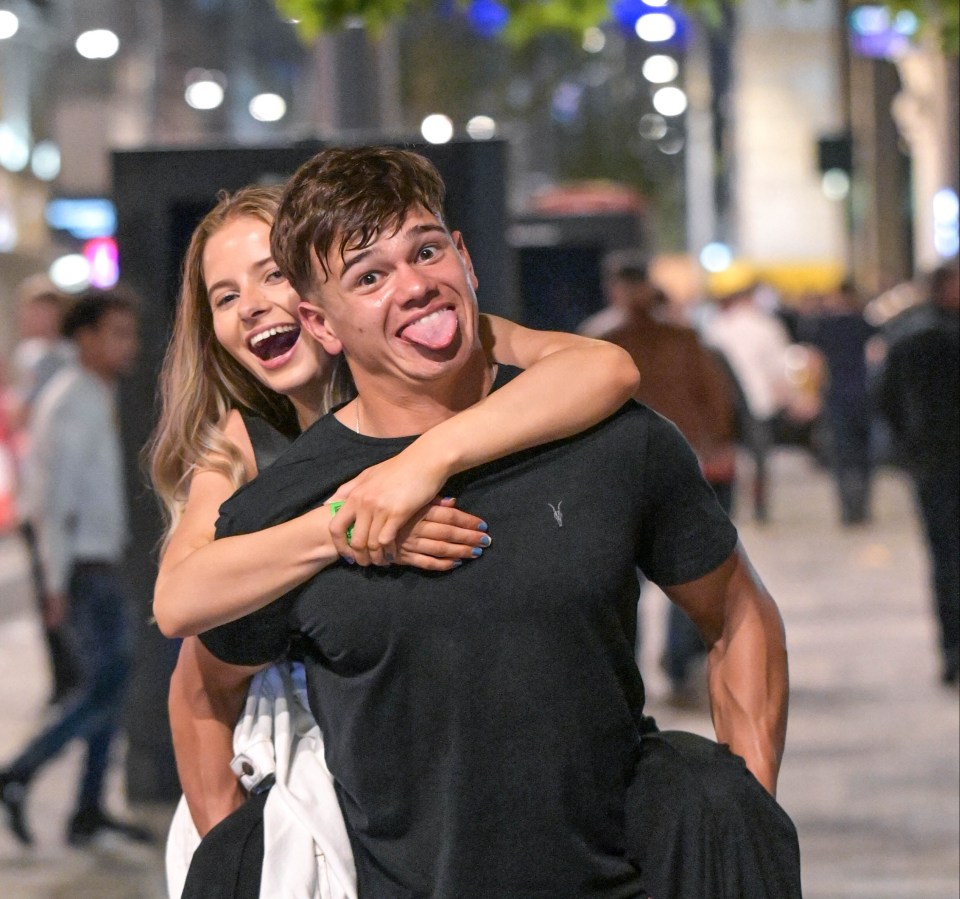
x: 54, y: 609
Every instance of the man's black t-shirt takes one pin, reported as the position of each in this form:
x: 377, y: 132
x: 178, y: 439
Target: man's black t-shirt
x: 481, y: 724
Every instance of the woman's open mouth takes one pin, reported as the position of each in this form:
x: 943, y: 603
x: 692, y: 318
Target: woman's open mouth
x: 275, y: 341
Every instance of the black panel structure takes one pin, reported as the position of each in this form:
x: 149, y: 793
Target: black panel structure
x: 559, y: 259
x: 160, y: 195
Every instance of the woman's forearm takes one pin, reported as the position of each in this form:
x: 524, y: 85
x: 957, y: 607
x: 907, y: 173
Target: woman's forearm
x: 229, y: 578
x: 569, y: 384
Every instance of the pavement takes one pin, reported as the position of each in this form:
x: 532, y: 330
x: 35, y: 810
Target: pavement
x: 871, y: 774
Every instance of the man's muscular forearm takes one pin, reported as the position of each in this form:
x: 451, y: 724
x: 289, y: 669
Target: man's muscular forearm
x: 747, y: 662
x: 205, y: 700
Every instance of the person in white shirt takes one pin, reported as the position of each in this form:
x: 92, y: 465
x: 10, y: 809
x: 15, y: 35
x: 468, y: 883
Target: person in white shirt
x: 754, y: 343
x: 75, y: 486
x: 38, y: 355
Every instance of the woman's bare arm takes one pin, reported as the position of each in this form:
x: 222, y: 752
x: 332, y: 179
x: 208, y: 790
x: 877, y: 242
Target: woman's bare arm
x: 569, y: 384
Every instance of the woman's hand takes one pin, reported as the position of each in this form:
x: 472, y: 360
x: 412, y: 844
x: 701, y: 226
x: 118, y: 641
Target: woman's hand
x: 442, y: 538
x: 384, y: 498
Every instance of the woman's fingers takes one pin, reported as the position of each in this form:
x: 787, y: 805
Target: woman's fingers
x: 441, y: 549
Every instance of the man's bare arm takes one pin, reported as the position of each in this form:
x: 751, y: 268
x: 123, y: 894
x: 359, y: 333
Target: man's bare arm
x: 747, y: 662
x: 205, y: 700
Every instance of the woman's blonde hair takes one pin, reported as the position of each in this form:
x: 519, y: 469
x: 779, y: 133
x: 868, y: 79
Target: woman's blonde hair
x: 200, y: 382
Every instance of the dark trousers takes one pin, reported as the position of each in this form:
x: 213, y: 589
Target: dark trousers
x: 98, y: 623
x: 229, y: 860
x: 700, y: 825
x: 851, y: 459
x: 63, y: 669
x: 938, y: 501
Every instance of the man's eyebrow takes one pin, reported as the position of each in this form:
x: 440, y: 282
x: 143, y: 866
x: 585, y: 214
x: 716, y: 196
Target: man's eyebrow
x: 414, y: 232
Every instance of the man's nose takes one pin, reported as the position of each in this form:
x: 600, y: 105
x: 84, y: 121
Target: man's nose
x: 413, y: 284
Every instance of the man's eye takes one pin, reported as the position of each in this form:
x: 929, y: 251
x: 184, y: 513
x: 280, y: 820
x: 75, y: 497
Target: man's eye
x: 427, y: 253
x: 367, y: 280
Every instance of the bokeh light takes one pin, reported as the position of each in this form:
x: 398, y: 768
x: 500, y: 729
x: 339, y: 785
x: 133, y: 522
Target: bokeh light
x: 268, y: 107
x: 100, y: 43
x: 437, y: 129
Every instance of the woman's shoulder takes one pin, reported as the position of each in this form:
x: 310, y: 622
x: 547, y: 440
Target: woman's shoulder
x: 233, y: 429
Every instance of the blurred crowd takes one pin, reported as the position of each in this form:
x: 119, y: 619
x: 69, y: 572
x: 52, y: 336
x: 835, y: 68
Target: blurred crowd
x: 857, y: 381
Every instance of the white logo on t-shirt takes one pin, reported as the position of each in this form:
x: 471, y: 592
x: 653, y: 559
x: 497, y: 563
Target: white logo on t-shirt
x: 557, y: 514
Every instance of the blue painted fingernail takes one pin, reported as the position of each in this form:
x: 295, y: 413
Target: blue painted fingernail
x: 390, y: 557
x: 482, y: 526
x: 476, y: 552
x: 458, y: 563
x: 349, y: 560
x: 449, y: 499
x: 485, y: 540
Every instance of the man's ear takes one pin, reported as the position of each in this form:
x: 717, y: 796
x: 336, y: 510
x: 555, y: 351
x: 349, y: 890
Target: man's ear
x: 457, y: 237
x: 315, y: 322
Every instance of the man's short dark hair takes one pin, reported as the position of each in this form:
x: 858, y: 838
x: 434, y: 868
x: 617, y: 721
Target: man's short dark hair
x: 628, y: 265
x: 343, y: 199
x: 90, y: 308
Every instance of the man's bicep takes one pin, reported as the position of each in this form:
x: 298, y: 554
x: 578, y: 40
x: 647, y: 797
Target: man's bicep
x: 704, y: 598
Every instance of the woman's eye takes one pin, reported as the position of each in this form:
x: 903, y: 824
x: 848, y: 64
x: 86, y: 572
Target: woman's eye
x: 223, y: 299
x: 275, y: 276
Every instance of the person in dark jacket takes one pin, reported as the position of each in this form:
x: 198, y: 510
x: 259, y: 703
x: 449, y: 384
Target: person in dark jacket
x: 918, y: 393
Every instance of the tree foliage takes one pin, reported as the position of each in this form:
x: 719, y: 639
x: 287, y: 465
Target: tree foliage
x: 529, y: 18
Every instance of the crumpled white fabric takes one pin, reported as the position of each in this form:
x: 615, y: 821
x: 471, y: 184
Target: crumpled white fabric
x: 307, y: 852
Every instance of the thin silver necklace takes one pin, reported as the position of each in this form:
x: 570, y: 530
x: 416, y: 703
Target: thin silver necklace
x: 358, y: 415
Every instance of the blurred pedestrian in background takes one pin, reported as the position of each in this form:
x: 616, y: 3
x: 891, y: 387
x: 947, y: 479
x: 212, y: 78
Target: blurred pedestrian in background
x: 39, y: 354
x: 681, y: 379
x: 841, y: 334
x: 754, y: 343
x: 918, y: 392
x: 75, y: 481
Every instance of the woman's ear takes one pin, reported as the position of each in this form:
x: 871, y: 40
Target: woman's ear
x: 314, y: 321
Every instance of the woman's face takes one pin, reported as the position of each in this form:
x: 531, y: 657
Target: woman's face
x: 255, y: 314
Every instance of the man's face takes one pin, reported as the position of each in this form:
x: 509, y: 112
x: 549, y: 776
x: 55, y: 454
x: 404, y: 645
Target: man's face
x: 111, y: 347
x: 404, y: 307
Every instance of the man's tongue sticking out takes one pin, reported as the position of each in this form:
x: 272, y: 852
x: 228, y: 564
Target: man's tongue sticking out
x: 434, y: 331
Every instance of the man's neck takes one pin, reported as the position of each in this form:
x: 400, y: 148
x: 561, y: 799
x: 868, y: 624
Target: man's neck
x: 392, y: 408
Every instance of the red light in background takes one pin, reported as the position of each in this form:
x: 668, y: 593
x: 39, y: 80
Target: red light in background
x: 104, y: 259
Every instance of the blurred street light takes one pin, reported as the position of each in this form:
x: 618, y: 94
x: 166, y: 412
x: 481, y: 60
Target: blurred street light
x: 482, y: 127
x: 99, y: 43
x: 45, y: 160
x: 660, y: 69
x: 268, y: 107
x: 205, y: 88
x: 670, y: 101
x: 655, y: 27
x: 437, y: 129
x: 9, y: 24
